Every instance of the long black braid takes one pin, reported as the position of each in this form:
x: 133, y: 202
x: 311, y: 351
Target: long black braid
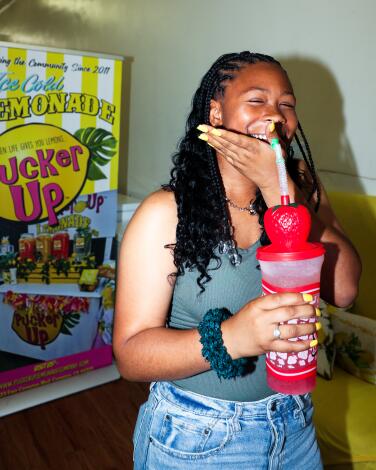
x: 203, y: 217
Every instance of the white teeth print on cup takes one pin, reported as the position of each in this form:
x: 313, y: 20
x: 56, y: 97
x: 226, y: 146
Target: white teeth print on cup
x: 282, y: 355
x: 292, y: 360
x: 303, y: 354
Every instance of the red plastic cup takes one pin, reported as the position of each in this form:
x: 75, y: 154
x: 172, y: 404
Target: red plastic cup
x: 299, y: 271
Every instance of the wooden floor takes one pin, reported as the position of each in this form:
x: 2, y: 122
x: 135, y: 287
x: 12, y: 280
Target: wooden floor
x: 91, y: 430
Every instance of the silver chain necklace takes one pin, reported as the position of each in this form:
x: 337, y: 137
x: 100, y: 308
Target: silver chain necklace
x: 250, y: 209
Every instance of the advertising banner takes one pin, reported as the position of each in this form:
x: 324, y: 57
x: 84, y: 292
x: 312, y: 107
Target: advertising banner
x: 59, y: 150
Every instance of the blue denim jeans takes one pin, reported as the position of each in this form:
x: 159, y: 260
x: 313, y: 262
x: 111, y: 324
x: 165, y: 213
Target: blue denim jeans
x: 179, y: 430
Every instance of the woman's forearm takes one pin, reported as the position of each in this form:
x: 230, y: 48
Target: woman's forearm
x: 161, y: 354
x: 342, y: 266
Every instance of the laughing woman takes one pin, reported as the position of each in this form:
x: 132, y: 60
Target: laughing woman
x: 189, y: 315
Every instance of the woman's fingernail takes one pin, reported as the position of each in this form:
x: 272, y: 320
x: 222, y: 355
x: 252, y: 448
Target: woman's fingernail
x: 318, y: 326
x: 318, y: 312
x: 203, y: 128
x: 271, y: 126
x: 313, y: 343
x: 307, y: 297
x: 203, y: 137
x: 216, y: 132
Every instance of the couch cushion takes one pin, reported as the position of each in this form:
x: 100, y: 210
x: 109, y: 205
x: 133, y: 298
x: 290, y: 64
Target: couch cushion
x: 355, y: 339
x: 357, y: 215
x: 345, y: 418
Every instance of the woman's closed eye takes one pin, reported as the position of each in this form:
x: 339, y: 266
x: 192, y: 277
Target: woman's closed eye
x: 256, y: 101
x: 288, y: 105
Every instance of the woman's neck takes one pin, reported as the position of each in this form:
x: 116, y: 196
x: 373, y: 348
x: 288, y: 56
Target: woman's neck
x: 239, y: 189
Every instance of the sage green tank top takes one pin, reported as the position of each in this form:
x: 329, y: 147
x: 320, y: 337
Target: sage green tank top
x: 231, y: 287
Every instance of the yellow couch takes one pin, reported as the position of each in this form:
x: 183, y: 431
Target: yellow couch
x: 345, y: 415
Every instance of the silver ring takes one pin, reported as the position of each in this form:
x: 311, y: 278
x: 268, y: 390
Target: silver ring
x: 277, y: 333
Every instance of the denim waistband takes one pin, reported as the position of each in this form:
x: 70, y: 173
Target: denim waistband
x: 216, y: 407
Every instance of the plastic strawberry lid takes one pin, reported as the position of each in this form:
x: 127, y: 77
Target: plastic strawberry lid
x: 304, y: 251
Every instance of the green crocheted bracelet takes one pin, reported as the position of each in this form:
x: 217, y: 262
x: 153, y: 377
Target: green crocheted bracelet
x: 213, y: 350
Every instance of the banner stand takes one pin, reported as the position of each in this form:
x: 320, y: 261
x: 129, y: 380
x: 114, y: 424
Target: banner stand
x: 59, y: 153
x: 37, y: 396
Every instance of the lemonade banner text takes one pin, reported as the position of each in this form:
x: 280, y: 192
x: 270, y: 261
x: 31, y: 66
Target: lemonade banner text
x: 59, y: 131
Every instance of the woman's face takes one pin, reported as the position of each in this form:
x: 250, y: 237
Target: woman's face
x: 260, y: 93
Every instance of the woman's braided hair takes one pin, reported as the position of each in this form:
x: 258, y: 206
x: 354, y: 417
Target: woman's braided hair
x: 203, y: 218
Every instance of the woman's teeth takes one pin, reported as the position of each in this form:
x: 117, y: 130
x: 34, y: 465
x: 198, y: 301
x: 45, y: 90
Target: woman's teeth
x: 259, y: 136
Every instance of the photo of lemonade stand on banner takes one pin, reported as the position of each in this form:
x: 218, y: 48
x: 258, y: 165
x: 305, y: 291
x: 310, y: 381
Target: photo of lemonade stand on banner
x: 57, y: 262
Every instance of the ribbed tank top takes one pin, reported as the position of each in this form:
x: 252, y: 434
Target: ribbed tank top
x: 231, y: 287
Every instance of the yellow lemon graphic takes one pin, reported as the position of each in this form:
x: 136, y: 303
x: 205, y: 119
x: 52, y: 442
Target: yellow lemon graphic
x: 42, y: 169
x: 35, y: 326
x: 80, y: 206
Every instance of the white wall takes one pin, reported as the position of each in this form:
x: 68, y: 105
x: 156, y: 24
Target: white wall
x: 326, y: 46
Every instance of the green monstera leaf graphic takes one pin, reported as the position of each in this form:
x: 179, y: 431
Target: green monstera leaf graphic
x: 102, y: 147
x: 69, y: 321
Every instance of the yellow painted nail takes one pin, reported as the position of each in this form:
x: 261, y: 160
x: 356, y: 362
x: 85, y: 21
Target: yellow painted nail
x: 203, y: 137
x: 313, y: 343
x: 307, y: 297
x: 318, y: 326
x: 203, y: 128
x: 318, y: 312
x: 216, y: 132
x: 271, y: 126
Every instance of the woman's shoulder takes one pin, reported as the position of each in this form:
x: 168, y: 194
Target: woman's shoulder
x: 160, y: 203
x: 157, y: 213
